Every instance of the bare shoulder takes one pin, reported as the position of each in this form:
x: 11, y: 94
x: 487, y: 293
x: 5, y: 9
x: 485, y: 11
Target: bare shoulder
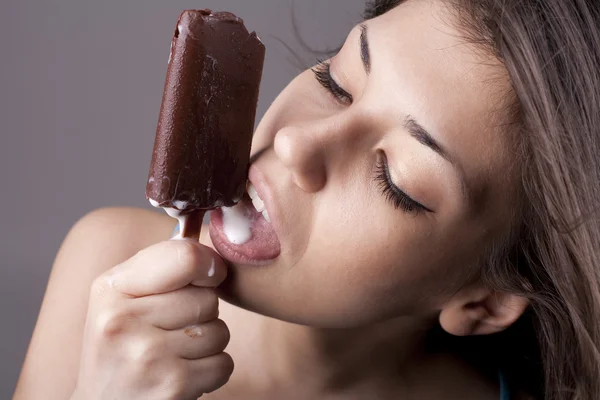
x: 119, y: 230
x: 98, y: 241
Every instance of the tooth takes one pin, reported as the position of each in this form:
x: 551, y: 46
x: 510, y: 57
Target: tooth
x: 258, y: 204
x: 265, y: 214
x: 252, y: 191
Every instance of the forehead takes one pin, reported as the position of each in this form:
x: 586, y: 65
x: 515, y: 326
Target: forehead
x: 457, y: 90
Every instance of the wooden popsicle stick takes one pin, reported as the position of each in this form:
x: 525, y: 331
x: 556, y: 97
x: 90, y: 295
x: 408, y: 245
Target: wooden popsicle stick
x: 193, y: 225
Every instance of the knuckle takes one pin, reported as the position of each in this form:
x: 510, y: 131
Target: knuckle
x: 100, y: 285
x: 144, y: 352
x: 112, y: 322
x: 103, y: 285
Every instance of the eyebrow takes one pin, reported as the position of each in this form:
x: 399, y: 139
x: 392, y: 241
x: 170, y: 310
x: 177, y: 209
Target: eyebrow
x: 418, y: 132
x: 422, y: 136
x: 365, y: 54
x: 415, y: 129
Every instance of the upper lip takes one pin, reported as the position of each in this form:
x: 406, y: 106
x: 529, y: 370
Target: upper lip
x: 258, y: 179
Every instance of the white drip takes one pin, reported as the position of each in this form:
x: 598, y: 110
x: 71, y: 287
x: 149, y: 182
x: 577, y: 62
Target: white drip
x: 236, y: 224
x: 211, y: 270
x: 180, y: 205
x: 173, y: 213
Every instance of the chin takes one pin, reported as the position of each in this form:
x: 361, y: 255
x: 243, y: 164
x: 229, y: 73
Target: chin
x: 270, y: 302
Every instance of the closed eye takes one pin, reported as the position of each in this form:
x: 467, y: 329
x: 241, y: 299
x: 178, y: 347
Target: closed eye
x: 398, y: 198
x: 323, y: 75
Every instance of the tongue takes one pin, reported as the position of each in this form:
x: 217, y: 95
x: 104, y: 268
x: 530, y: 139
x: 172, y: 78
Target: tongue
x: 247, y: 231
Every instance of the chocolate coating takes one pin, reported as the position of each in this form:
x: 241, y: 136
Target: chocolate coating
x: 204, y: 134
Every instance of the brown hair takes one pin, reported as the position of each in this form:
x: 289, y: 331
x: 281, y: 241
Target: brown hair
x: 551, y: 50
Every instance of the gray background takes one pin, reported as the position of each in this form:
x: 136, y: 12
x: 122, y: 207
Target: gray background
x: 80, y: 89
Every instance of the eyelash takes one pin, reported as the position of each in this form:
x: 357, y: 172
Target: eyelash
x: 392, y: 193
x: 323, y: 75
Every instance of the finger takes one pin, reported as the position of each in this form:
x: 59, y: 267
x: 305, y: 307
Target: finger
x: 199, y: 341
x: 168, y: 266
x: 208, y: 374
x: 175, y: 310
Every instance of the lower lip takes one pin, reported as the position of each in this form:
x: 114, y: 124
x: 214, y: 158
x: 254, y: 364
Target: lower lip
x: 257, y: 251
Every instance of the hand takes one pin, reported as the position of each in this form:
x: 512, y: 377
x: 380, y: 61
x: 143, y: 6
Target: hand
x: 152, y: 329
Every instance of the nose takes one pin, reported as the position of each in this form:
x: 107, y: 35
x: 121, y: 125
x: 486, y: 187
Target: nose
x: 308, y: 151
x: 301, y: 154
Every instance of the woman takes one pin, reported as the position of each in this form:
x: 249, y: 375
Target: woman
x: 432, y: 233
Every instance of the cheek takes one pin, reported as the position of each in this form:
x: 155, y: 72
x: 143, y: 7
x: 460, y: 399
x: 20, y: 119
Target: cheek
x: 375, y: 262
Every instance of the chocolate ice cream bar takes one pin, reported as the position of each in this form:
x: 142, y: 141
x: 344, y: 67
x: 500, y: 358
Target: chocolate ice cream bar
x: 202, y: 145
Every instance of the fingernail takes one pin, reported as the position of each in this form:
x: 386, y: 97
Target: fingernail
x: 211, y: 270
x: 193, y: 331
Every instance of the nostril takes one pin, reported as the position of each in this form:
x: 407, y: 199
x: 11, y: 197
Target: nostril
x: 310, y: 180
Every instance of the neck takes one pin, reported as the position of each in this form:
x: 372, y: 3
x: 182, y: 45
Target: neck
x: 332, y: 360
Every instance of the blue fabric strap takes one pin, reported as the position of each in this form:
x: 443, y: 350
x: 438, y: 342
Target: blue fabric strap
x: 504, y: 393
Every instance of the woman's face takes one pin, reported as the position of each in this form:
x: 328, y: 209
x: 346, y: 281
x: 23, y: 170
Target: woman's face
x: 383, y: 188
